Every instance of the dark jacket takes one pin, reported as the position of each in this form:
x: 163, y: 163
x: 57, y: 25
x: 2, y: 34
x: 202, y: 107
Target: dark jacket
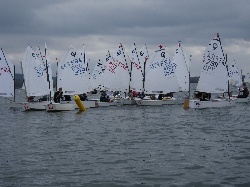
x: 58, y: 96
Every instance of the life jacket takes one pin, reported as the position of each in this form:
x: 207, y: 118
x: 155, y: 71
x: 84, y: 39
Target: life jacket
x: 247, y: 92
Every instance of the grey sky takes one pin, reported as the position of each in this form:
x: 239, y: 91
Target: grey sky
x: 102, y: 24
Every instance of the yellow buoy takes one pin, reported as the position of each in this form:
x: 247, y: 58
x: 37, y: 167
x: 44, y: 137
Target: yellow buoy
x: 79, y: 103
x: 186, y: 103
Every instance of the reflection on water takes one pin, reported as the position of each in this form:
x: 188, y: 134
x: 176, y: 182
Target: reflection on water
x: 126, y: 146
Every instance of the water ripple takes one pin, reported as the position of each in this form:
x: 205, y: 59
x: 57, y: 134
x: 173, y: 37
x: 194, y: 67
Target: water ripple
x: 126, y: 146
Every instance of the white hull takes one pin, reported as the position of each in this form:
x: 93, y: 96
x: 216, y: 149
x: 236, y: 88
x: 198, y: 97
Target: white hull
x: 113, y: 103
x: 241, y: 100
x: 212, y: 103
x: 101, y: 104
x: 87, y: 104
x: 128, y: 101
x: 57, y: 107
x: 32, y: 106
x: 150, y: 102
x: 169, y: 101
x: 105, y: 104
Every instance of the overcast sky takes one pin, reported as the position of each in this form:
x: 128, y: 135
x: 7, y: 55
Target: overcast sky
x: 102, y: 24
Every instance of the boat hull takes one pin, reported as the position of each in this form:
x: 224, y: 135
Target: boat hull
x: 34, y: 106
x: 113, y: 103
x: 98, y: 103
x: 150, y: 102
x: 128, y: 101
x: 57, y: 107
x: 169, y: 101
x: 212, y: 103
x: 240, y: 100
x: 243, y: 100
x: 87, y: 104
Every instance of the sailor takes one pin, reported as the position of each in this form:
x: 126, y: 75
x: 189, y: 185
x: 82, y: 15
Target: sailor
x: 104, y: 96
x: 58, y: 96
x: 243, y: 91
x: 160, y: 96
x: 83, y: 97
x: 67, y: 97
x: 31, y: 99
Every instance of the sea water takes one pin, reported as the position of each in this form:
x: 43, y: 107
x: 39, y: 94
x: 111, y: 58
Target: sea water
x: 125, y: 146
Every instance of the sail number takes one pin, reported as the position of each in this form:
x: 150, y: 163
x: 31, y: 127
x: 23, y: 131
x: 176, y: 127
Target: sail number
x: 167, y: 65
x: 76, y: 66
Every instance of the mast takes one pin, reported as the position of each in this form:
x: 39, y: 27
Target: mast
x: 14, y: 83
x: 189, y: 77
x: 144, y: 70
x: 25, y: 90
x: 228, y: 86
x: 47, y: 71
x: 127, y: 64
x: 56, y: 72
x: 138, y: 59
x: 130, y: 73
x: 242, y: 80
x: 218, y: 37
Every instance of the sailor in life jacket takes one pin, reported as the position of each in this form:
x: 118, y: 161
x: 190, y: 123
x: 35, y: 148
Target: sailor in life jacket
x: 243, y: 91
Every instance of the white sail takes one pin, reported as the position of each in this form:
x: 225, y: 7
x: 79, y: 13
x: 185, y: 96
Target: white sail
x: 128, y: 60
x: 235, y: 77
x: 39, y: 56
x: 143, y: 56
x: 214, y: 74
x: 136, y: 83
x: 106, y: 80
x: 97, y: 75
x: 160, y: 73
x: 188, y: 60
x: 35, y: 76
x: 116, y: 75
x: 86, y: 86
x: 72, y: 72
x: 247, y: 77
x: 6, y: 76
x: 182, y: 70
